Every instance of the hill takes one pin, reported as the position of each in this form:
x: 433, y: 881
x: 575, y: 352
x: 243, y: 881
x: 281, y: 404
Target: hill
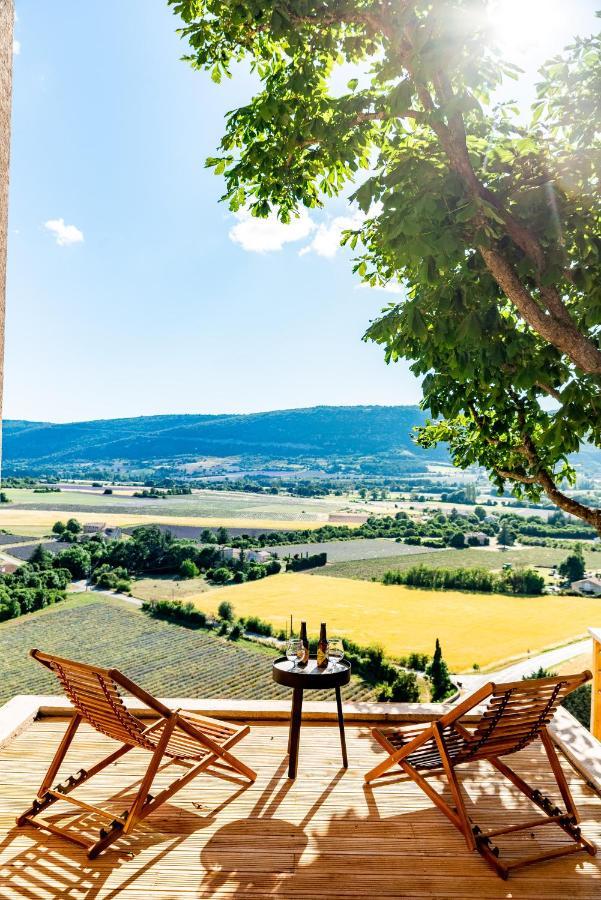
x: 318, y: 432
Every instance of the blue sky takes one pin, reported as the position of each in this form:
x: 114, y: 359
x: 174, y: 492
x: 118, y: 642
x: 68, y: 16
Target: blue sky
x: 131, y: 290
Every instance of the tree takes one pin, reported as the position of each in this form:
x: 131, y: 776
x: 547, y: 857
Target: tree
x: 404, y: 689
x: 188, y: 569
x: 58, y: 528
x: 480, y: 513
x: 457, y: 540
x: 207, y: 536
x: 221, y: 575
x: 222, y: 535
x: 572, y: 568
x: 73, y: 526
x: 40, y: 557
x: 76, y: 559
x: 439, y: 675
x: 492, y: 226
x: 505, y: 537
x: 225, y: 610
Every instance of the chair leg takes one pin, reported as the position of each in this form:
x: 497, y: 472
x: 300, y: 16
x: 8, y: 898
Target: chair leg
x: 59, y: 755
x: 455, y: 787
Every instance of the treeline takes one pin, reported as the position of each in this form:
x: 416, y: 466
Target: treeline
x: 111, y: 563
x: 33, y: 586
x: 511, y: 581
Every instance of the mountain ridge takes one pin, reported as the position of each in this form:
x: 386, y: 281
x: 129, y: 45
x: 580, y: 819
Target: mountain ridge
x: 319, y: 431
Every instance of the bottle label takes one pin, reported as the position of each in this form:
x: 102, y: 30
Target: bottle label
x: 322, y: 656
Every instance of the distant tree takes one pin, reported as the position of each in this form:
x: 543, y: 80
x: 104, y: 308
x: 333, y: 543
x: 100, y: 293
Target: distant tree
x: 480, y: 513
x: 188, y: 569
x: 76, y: 559
x: 439, y: 675
x: 107, y: 491
x: 457, y: 540
x: 225, y: 611
x: 73, y: 526
x: 4, y: 498
x: 40, y: 557
x: 222, y: 535
x: 221, y: 575
x: 404, y: 689
x: 505, y: 537
x: 207, y: 536
x: 572, y: 568
x: 58, y: 527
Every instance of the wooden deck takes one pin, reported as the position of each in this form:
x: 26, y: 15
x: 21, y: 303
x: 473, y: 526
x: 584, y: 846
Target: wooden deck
x: 321, y: 836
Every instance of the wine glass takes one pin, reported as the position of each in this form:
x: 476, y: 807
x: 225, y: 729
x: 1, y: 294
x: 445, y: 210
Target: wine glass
x: 294, y: 650
x: 336, y: 650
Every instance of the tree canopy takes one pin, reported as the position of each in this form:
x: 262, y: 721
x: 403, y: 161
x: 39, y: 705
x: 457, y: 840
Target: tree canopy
x: 490, y: 224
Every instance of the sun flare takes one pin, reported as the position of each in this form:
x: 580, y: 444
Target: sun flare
x: 524, y: 27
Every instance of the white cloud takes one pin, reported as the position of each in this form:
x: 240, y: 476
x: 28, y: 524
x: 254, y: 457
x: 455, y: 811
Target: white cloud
x: 327, y: 238
x: 64, y: 234
x: 266, y: 235
x: 16, y: 47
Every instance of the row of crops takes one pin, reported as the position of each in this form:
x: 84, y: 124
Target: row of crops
x: 168, y: 660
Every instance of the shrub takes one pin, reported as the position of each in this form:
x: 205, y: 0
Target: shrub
x: 221, y: 575
x: 298, y: 564
x: 579, y: 704
x: 188, y: 569
x: 255, y: 625
x: 225, y: 611
x: 181, y: 613
x: 404, y: 689
x: 123, y: 587
x: 236, y: 633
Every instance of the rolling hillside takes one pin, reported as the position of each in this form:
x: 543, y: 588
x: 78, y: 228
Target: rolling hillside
x: 316, y: 432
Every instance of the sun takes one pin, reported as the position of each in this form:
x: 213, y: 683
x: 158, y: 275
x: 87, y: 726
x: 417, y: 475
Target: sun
x: 531, y: 27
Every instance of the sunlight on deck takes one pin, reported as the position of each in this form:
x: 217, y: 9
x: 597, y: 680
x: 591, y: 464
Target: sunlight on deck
x: 323, y: 835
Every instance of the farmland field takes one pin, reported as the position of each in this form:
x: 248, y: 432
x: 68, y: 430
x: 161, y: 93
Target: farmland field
x: 38, y: 522
x: 473, y: 628
x: 357, y: 549
x: 166, y: 588
x: 214, y: 504
x: 166, y: 659
x: 369, y: 569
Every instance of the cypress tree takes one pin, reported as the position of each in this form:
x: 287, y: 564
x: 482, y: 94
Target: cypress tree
x: 439, y: 675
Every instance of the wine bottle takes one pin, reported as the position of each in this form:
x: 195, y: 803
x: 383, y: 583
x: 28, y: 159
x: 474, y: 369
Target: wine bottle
x: 322, y: 648
x: 305, y: 640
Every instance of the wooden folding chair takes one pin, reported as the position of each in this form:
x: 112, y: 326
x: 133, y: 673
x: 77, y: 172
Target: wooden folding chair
x: 194, y: 741
x: 515, y: 715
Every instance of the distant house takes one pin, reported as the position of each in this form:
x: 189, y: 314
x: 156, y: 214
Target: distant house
x: 231, y: 553
x: 477, y: 538
x: 7, y: 568
x: 111, y: 532
x: 93, y: 527
x: 259, y: 556
x: 589, y: 586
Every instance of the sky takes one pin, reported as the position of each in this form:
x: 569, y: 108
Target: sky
x: 131, y: 289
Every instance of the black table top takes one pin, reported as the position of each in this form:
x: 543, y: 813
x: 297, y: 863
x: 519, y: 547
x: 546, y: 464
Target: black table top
x: 310, y: 677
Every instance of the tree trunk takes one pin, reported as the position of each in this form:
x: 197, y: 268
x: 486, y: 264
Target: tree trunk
x: 6, y: 72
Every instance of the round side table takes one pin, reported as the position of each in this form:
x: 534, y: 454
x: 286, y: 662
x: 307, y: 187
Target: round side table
x: 310, y: 678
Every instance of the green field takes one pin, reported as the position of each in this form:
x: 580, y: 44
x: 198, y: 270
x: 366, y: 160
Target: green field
x: 166, y: 659
x: 369, y: 569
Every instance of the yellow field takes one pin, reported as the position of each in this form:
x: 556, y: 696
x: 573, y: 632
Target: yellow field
x: 38, y: 522
x: 473, y: 628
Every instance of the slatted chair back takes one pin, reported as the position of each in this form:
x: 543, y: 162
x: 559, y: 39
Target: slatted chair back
x: 515, y: 715
x: 95, y: 695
